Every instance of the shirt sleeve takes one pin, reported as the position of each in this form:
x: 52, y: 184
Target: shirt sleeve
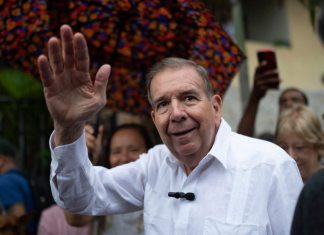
x: 80, y: 187
x: 285, y: 188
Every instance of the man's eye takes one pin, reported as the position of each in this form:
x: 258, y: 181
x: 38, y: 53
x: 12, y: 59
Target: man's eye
x: 190, y: 98
x: 161, y: 104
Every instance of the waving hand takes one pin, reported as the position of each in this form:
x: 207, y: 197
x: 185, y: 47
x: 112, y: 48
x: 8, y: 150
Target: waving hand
x: 71, y: 97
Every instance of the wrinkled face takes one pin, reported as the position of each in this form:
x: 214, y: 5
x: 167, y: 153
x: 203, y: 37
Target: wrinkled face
x: 184, y: 116
x: 289, y: 98
x: 304, y: 153
x: 126, y: 146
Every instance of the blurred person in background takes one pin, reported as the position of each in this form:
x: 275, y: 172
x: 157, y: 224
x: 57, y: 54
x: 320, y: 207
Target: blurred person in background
x: 16, y: 197
x: 265, y: 80
x: 309, y: 213
x: 300, y: 134
x: 124, y: 145
x: 54, y: 220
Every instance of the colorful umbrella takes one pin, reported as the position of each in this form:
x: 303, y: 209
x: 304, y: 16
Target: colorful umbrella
x: 130, y: 35
x: 23, y: 31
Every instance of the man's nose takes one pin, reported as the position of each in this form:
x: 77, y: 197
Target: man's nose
x: 177, y: 111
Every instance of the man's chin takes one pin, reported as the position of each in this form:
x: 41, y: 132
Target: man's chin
x: 187, y: 150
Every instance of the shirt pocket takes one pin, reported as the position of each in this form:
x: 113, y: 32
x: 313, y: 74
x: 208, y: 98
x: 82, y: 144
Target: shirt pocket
x: 155, y: 225
x: 157, y: 214
x: 213, y: 226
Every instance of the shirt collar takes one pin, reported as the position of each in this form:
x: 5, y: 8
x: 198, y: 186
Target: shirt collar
x: 219, y: 149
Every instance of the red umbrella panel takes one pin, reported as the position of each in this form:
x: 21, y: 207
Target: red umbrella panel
x: 23, y: 33
x: 131, y: 36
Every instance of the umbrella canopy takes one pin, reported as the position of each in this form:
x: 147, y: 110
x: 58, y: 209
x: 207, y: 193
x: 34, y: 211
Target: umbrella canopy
x: 23, y: 33
x: 130, y: 35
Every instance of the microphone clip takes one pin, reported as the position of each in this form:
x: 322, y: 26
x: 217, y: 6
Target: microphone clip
x: 187, y: 196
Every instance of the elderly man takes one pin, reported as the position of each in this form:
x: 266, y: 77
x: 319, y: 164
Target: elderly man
x: 205, y: 179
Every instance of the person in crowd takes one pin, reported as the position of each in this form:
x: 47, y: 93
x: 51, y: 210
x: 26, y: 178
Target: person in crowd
x: 264, y: 80
x: 299, y: 133
x: 53, y: 221
x: 291, y: 96
x: 94, y: 139
x: 125, y: 145
x: 309, y: 213
x: 204, y: 179
x: 16, y: 198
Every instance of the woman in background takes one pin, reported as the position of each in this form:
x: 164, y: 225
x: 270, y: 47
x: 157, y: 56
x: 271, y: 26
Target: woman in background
x: 300, y: 134
x: 125, y: 144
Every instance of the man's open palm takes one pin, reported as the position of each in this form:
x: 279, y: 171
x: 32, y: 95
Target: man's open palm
x: 70, y: 94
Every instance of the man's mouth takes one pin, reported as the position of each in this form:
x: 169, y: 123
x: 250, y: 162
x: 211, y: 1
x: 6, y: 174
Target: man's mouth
x: 179, y: 133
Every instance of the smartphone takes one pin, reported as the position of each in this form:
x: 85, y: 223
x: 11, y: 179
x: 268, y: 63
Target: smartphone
x: 268, y: 56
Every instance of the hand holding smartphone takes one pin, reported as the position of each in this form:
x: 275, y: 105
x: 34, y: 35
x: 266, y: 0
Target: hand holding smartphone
x: 269, y: 56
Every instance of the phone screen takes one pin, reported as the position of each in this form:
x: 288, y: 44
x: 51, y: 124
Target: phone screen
x: 269, y: 56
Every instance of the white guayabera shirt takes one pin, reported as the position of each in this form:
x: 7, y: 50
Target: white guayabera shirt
x: 242, y: 186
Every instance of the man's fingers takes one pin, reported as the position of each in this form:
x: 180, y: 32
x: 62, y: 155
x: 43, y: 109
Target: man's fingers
x: 67, y: 44
x: 81, y: 53
x: 44, y: 71
x: 101, y: 81
x: 55, y: 55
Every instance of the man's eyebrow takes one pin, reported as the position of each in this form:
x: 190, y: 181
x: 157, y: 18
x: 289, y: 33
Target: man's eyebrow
x: 188, y: 92
x: 180, y: 94
x: 159, y: 99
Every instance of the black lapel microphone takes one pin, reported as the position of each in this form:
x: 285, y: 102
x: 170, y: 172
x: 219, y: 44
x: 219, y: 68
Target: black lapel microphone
x: 187, y: 196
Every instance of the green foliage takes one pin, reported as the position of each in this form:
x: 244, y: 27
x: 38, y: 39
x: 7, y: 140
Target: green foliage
x: 18, y: 85
x: 24, y: 118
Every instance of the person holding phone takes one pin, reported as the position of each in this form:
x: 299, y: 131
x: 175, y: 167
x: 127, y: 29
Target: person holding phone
x: 267, y: 77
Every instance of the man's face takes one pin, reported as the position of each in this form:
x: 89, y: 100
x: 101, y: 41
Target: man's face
x: 289, y: 98
x: 186, y: 119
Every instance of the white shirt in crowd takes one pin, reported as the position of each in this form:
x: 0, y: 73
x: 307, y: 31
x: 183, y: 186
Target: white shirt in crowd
x: 242, y: 186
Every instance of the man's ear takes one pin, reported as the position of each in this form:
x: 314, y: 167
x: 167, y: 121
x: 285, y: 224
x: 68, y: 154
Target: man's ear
x: 217, y: 105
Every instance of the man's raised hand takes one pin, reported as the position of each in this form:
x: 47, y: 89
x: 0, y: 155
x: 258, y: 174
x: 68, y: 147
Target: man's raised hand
x: 71, y: 97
